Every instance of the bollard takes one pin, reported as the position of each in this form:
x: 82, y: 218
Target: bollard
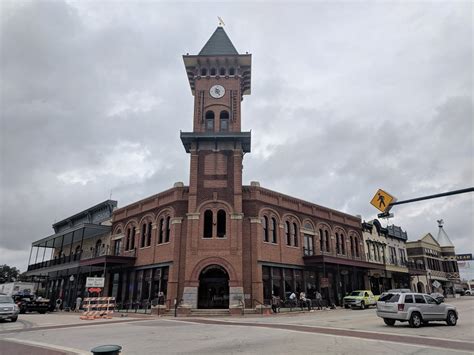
x: 106, y: 350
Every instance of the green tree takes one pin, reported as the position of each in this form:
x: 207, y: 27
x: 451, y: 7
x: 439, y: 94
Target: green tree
x: 8, y: 273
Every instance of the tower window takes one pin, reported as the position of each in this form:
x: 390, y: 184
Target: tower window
x: 213, y: 71
x: 208, y: 224
x: 209, y: 121
x: 232, y: 71
x: 224, y: 121
x: 321, y: 240
x: 221, y: 221
x: 203, y: 71
x: 132, y: 242
x: 222, y: 71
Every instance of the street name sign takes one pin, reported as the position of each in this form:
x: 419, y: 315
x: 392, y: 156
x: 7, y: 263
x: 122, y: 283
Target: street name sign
x: 382, y: 200
x: 95, y: 282
x: 436, y: 284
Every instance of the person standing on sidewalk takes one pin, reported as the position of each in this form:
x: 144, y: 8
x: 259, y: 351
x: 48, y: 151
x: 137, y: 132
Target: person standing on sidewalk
x: 318, y: 300
x: 78, y: 304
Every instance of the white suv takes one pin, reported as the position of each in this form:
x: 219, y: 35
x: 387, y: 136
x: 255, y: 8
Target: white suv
x: 416, y: 308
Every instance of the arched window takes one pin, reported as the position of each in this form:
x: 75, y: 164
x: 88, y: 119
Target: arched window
x: 288, y: 233
x: 143, y: 236
x: 224, y: 121
x: 294, y: 231
x: 168, y: 229
x: 160, y: 237
x: 213, y: 71
x: 274, y: 230
x: 232, y: 71
x: 356, y: 241
x: 328, y: 240
x: 132, y: 241
x: 208, y: 224
x: 221, y: 224
x: 222, y: 71
x: 148, y: 234
x: 265, y: 228
x: 338, y: 248
x: 98, y: 248
x: 203, y: 71
x: 321, y: 240
x: 209, y: 121
x: 352, y: 245
x: 127, y: 244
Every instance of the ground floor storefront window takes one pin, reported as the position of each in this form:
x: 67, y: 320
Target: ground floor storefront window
x: 140, y: 289
x: 332, y: 281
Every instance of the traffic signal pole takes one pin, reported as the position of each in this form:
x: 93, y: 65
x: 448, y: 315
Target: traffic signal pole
x: 429, y: 197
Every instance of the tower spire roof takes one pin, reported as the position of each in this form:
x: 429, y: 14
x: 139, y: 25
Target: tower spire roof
x: 219, y: 44
x: 443, y: 238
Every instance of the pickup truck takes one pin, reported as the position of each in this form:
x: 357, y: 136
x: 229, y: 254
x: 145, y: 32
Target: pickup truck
x: 360, y: 299
x: 27, y: 303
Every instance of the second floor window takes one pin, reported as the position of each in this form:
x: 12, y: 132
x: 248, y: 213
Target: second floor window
x: 308, y: 248
x: 208, y: 219
x: 265, y: 228
x: 224, y: 121
x: 221, y: 224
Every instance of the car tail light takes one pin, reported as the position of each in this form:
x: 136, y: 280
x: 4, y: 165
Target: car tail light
x: 401, y: 306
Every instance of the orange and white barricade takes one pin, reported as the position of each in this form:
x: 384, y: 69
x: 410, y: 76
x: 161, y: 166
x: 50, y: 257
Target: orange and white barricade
x: 98, y: 307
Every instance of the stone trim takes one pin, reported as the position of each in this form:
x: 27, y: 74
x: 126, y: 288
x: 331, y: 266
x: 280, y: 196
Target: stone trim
x: 193, y: 216
x: 237, y: 216
x: 255, y: 220
x: 176, y: 220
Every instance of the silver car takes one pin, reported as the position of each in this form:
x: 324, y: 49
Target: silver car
x: 414, y: 308
x: 8, y: 308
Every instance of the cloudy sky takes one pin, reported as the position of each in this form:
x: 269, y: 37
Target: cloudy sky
x: 346, y: 98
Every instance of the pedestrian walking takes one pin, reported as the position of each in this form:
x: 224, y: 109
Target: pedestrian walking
x: 59, y: 302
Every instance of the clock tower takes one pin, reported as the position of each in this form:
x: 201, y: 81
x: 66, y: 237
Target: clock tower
x: 219, y: 77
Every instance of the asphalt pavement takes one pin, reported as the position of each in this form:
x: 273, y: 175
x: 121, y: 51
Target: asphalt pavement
x: 338, y: 331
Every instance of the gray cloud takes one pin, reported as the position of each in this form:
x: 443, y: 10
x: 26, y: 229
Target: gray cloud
x: 346, y: 98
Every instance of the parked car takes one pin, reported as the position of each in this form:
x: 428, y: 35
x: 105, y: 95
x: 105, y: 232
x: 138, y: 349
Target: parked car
x: 360, y: 299
x: 414, y: 308
x: 437, y: 296
x: 468, y: 293
x: 8, y: 308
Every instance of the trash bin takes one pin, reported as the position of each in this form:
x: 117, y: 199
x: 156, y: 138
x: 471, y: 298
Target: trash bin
x: 106, y: 350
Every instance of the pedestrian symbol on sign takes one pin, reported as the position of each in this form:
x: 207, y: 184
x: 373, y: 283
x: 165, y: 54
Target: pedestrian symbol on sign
x: 382, y: 200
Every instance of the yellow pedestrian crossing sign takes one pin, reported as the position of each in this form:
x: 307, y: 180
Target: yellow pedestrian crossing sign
x: 382, y: 200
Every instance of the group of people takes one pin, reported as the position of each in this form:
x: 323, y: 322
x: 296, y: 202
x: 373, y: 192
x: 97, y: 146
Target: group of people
x: 303, y: 301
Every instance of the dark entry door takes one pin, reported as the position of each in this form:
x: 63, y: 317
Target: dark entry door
x: 213, y: 288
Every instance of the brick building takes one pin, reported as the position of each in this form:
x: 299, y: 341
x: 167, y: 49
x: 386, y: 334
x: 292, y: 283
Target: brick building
x: 216, y: 243
x: 220, y: 242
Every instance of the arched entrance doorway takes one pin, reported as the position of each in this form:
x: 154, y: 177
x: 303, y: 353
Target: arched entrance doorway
x: 213, y: 288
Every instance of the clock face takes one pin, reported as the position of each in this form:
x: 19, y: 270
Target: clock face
x: 217, y: 91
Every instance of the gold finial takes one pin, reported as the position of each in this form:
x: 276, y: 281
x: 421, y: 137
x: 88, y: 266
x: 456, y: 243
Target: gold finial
x: 221, y: 21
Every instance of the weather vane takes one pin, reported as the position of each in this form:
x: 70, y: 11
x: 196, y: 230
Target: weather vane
x: 440, y: 223
x: 221, y: 21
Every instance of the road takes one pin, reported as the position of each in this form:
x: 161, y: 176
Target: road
x: 333, y: 331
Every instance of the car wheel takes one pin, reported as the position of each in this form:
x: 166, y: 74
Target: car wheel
x: 22, y: 311
x: 42, y: 312
x: 362, y: 305
x: 415, y: 320
x: 347, y: 306
x: 389, y: 322
x: 14, y: 319
x: 451, y: 319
